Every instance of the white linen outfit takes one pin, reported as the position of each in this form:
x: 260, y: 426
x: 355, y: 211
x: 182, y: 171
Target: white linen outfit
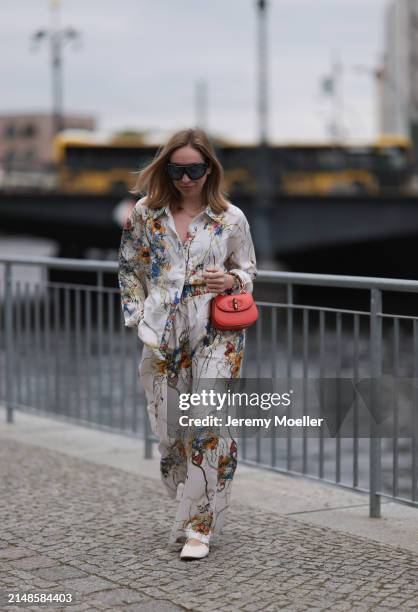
x: 164, y: 296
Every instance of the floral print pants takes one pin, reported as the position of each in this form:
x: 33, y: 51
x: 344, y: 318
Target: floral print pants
x: 202, y: 458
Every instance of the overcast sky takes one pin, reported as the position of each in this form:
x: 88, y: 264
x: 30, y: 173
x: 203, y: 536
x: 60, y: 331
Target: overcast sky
x: 140, y: 60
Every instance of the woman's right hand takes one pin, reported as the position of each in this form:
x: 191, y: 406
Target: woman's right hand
x: 217, y: 280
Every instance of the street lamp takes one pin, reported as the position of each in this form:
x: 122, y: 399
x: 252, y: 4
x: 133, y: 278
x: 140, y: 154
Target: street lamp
x: 331, y: 86
x: 57, y: 37
x: 262, y: 71
x: 263, y: 217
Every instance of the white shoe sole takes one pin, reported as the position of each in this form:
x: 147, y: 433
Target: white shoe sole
x: 198, y: 551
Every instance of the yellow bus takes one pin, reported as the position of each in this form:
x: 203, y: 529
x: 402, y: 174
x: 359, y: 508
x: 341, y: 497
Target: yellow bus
x: 384, y: 166
x: 90, y: 164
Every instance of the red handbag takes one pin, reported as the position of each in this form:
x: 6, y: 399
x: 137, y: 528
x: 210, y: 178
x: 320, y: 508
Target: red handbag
x: 233, y: 312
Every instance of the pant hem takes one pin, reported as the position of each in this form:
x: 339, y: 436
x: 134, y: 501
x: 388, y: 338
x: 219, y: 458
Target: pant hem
x: 190, y: 533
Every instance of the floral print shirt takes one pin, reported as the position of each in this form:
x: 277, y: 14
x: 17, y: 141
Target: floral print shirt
x: 156, y: 269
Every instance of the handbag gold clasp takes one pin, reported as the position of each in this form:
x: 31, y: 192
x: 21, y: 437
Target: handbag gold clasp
x: 235, y: 303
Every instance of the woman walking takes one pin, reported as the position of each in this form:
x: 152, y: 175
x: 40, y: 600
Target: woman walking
x: 182, y: 244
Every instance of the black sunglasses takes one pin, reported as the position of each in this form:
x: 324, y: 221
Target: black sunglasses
x: 193, y: 171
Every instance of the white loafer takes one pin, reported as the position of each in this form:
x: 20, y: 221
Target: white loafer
x: 195, y: 551
x: 180, y: 489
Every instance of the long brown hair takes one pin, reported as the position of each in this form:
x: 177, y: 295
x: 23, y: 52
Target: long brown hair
x: 154, y: 181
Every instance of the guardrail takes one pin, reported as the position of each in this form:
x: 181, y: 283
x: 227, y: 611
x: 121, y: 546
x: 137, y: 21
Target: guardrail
x: 65, y: 351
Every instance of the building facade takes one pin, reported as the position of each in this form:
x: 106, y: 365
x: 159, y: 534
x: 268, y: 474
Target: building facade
x: 26, y: 139
x: 399, y: 87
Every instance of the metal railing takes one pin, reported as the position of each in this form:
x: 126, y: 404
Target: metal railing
x: 65, y: 351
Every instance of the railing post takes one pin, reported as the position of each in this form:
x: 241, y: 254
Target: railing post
x: 8, y: 322
x: 289, y: 370
x: 99, y: 333
x: 376, y: 370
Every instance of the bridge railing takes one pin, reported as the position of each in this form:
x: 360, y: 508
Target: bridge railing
x: 65, y: 351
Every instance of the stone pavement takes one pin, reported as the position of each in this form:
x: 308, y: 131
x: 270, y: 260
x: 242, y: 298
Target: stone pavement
x: 78, y: 524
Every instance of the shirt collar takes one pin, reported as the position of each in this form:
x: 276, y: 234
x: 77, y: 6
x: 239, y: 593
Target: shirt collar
x: 156, y: 212
x: 213, y: 215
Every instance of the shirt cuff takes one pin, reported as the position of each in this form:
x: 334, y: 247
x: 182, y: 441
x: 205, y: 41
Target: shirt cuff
x: 246, y: 280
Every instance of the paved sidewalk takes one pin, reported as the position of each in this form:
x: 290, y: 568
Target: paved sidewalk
x: 81, y: 512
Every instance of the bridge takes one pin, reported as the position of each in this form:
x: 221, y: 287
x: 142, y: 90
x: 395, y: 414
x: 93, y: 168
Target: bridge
x: 336, y: 234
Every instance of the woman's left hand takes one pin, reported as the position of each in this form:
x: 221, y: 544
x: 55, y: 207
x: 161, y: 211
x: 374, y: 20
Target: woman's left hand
x: 217, y: 280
